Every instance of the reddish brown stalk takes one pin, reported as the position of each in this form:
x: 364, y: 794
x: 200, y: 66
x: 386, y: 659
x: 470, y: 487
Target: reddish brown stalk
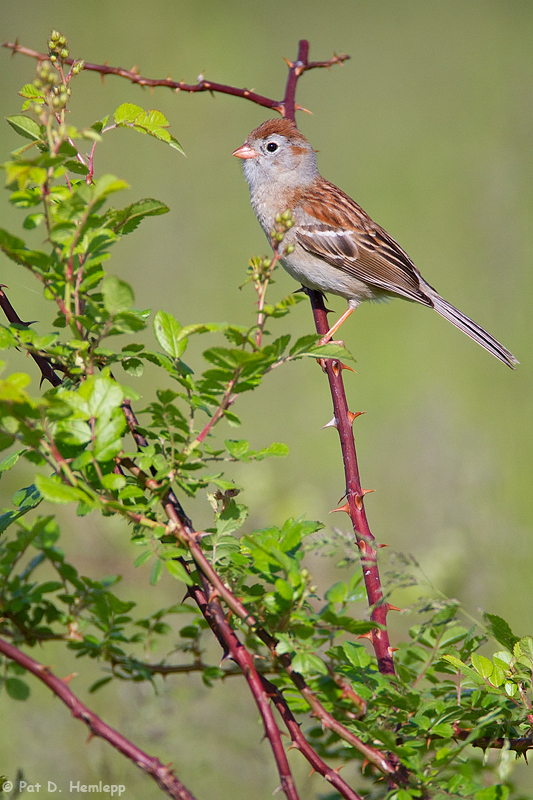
x: 300, y: 743
x: 162, y: 774
x: 355, y: 494
x: 189, y: 538
x: 343, y: 422
x: 179, y: 86
x: 245, y: 661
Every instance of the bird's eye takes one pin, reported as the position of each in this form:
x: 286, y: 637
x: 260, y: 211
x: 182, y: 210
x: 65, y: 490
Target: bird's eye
x: 272, y: 147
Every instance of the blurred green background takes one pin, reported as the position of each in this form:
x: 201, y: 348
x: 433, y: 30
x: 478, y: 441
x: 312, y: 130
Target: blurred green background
x: 429, y: 128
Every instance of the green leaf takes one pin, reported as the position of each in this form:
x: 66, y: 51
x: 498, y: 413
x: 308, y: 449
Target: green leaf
x: 337, y: 593
x: 113, y: 481
x: 176, y: 145
x: 303, y: 344
x: 167, y: 332
x: 106, y: 185
x: 329, y: 350
x: 493, y: 793
x: 179, y: 572
x: 238, y: 448
x: 126, y: 113
x: 98, y: 684
x: 25, y: 126
x: 155, y: 574
x: 357, y: 655
x: 129, y: 218
x: 501, y: 630
x: 10, y: 461
x: 525, y: 644
x: 53, y: 490
x: 17, y: 689
x: 118, y: 295
x: 143, y: 558
x: 482, y: 665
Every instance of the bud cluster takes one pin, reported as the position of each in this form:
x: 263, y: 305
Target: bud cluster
x: 259, y: 269
x: 283, y: 223
x: 48, y: 81
x: 47, y: 77
x: 57, y: 47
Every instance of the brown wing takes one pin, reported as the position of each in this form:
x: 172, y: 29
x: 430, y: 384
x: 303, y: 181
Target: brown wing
x: 346, y: 237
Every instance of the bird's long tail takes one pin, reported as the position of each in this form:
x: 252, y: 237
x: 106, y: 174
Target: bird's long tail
x: 473, y: 330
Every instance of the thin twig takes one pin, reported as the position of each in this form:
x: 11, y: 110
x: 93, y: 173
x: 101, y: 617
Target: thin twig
x: 162, y: 774
x: 179, y: 86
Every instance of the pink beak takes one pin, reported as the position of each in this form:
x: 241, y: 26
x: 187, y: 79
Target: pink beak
x: 245, y: 151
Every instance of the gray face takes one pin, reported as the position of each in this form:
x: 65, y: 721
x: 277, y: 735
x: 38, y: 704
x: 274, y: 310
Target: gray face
x: 280, y: 161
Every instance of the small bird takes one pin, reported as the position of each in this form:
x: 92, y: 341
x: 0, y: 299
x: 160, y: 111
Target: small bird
x: 338, y: 248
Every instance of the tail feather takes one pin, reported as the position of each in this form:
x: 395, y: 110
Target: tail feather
x: 473, y: 330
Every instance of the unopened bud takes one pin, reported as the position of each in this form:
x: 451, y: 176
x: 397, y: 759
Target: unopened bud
x: 289, y: 249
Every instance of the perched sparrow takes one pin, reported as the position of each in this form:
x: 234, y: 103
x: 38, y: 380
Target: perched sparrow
x: 337, y: 247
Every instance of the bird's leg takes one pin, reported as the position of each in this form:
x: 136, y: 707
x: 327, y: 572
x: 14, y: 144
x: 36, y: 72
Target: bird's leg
x: 335, y: 328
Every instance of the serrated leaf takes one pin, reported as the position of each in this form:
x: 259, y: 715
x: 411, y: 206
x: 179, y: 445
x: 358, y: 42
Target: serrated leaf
x: 238, y: 448
x: 178, y: 571
x: 356, y: 654
x: 482, y: 665
x: 176, y: 145
x: 329, y: 350
x: 108, y: 184
x: 501, y: 630
x: 25, y: 126
x: 337, y: 593
x: 10, y: 461
x: 118, y: 295
x: 113, y: 481
x: 57, y: 492
x: 129, y: 218
x: 526, y: 646
x: 167, y: 331
x: 126, y: 113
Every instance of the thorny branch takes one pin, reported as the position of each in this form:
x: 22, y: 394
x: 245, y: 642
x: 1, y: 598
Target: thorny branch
x: 343, y: 420
x: 285, y: 107
x: 163, y: 775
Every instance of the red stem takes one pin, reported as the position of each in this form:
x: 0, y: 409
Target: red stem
x: 301, y: 744
x: 162, y: 774
x: 354, y: 495
x: 179, y: 86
